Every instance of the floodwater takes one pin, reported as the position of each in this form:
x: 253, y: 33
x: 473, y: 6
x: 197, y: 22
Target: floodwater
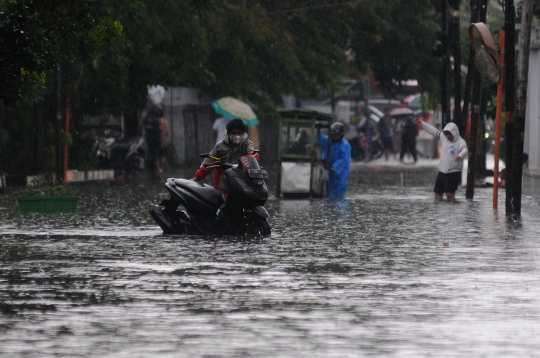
x: 366, y: 276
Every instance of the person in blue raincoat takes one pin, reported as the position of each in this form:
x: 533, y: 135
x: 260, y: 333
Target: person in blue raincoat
x: 340, y: 159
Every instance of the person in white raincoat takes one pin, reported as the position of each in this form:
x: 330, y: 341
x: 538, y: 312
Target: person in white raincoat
x: 454, y: 151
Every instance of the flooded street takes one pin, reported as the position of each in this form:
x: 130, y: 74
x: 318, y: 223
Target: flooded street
x: 365, y: 276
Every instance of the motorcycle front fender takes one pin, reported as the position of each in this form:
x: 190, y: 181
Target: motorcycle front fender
x: 261, y: 211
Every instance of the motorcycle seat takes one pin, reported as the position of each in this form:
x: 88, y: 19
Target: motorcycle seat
x: 204, y: 191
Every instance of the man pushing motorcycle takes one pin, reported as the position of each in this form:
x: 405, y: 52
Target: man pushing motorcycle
x: 235, y: 144
x: 234, y: 206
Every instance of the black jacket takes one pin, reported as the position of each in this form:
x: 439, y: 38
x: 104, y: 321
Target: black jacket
x: 410, y: 131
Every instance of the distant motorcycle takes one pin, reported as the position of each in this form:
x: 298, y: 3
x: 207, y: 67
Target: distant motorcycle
x: 120, y: 154
x: 363, y: 149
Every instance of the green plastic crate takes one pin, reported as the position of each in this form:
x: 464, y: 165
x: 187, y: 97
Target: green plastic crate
x: 48, y: 204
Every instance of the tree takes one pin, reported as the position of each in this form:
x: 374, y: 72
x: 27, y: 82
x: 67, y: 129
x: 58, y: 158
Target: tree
x: 221, y: 47
x: 35, y: 35
x: 258, y: 51
x: 395, y: 38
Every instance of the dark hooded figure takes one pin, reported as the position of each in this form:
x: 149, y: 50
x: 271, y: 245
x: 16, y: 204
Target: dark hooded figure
x: 152, y: 136
x: 408, y: 139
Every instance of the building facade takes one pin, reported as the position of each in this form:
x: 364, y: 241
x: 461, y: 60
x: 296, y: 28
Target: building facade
x: 531, y: 174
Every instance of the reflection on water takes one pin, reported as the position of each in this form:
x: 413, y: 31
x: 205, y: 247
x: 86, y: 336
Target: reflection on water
x: 366, y: 275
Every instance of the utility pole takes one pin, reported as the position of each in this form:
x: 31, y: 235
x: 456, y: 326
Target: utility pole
x: 473, y: 134
x: 474, y: 5
x: 481, y: 143
x: 445, y: 70
x: 476, y: 79
x: 498, y: 112
x: 515, y: 151
x: 510, y: 99
x: 455, y: 4
x: 59, y: 136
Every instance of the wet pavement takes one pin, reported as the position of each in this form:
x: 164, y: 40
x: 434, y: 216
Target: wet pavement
x: 385, y: 272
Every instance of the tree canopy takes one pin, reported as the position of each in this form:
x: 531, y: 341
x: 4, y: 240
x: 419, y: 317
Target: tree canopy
x: 255, y: 50
x: 36, y: 35
x: 111, y: 50
x: 260, y: 50
x: 395, y: 38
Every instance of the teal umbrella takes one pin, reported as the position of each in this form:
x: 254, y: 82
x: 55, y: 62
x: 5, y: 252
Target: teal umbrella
x: 231, y: 108
x: 414, y: 103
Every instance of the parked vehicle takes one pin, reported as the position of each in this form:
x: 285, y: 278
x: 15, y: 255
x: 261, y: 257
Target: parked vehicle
x: 116, y: 153
x: 195, y: 208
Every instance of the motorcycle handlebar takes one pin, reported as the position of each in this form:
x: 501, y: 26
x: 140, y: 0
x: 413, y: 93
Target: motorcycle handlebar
x: 218, y: 165
x: 218, y: 162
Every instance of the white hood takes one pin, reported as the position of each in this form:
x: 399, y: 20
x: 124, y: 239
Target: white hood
x: 453, y: 128
x: 449, y: 149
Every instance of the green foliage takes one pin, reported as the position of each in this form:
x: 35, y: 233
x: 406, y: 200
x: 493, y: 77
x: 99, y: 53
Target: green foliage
x: 111, y: 50
x: 395, y: 39
x: 43, y: 186
x: 58, y: 190
x: 224, y: 48
x: 36, y: 35
x: 257, y: 50
x: 254, y: 50
x: 161, y: 43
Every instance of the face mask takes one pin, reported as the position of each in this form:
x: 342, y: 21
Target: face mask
x: 235, y: 139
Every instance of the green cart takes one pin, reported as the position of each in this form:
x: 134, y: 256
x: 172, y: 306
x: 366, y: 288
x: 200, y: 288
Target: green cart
x: 301, y: 171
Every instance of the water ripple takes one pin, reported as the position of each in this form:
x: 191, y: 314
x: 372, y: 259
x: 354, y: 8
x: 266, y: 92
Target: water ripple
x: 386, y: 271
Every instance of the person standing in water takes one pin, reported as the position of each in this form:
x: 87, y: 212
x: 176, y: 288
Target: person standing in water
x: 339, y: 161
x: 454, y: 151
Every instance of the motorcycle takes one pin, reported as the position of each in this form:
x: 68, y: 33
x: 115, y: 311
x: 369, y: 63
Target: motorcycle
x: 364, y: 149
x: 115, y: 153
x: 207, y: 212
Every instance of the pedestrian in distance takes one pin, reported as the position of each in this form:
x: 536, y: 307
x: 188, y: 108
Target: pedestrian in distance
x: 399, y: 124
x: 386, y: 130
x: 339, y: 161
x: 219, y: 128
x: 454, y: 151
x: 408, y: 139
x: 525, y: 161
x: 163, y: 148
x: 152, y: 136
x: 301, y: 144
x: 502, y: 178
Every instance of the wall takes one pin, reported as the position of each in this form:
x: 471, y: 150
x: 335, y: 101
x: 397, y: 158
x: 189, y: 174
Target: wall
x: 531, y: 176
x: 190, y: 120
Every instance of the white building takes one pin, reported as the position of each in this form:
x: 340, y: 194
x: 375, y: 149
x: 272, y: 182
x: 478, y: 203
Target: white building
x: 531, y: 176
